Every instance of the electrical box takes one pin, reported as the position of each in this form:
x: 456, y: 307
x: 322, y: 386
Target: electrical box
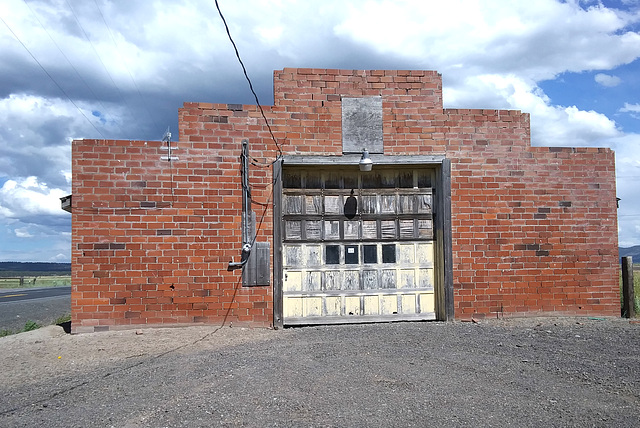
x: 257, y: 271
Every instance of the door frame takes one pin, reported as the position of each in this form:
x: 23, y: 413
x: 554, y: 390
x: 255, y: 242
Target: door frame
x: 443, y: 256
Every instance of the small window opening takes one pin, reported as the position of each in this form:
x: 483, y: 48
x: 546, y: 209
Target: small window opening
x: 389, y: 253
x: 351, y: 255
x: 370, y: 253
x: 332, y: 255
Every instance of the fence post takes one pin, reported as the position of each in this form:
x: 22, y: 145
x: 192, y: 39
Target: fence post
x: 628, y: 308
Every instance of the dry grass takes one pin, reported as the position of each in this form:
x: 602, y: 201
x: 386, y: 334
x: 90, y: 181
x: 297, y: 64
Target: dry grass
x: 36, y: 281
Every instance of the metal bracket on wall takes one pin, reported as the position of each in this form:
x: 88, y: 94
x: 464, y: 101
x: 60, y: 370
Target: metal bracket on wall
x: 166, y: 138
x: 258, y: 269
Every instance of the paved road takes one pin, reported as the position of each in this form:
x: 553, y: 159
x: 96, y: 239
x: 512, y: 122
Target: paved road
x: 14, y: 295
x: 42, y: 305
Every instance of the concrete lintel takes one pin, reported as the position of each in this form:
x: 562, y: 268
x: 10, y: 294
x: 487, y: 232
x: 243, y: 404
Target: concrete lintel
x: 353, y: 159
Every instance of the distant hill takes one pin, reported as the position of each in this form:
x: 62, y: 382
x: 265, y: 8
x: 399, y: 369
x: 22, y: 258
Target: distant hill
x: 631, y: 251
x: 33, y: 269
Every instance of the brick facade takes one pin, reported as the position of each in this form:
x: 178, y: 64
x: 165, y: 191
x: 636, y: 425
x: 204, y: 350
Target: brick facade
x: 534, y: 229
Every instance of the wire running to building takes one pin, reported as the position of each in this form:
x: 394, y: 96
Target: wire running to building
x: 254, y: 161
x: 104, y: 108
x: 246, y: 75
x: 124, y: 62
x: 104, y: 66
x: 51, y: 77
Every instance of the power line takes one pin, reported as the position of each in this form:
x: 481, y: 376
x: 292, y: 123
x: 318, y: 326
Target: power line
x: 99, y: 58
x: 144, y: 103
x: 254, y: 161
x: 68, y: 61
x: 51, y: 77
x: 246, y: 75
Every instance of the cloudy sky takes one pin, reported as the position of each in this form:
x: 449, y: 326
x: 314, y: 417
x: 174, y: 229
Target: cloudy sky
x: 122, y: 68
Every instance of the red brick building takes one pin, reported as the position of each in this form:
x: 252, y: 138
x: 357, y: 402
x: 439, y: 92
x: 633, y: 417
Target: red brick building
x: 459, y: 216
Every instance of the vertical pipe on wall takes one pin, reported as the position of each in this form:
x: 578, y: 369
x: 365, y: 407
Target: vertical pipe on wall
x: 628, y: 298
x: 443, y: 257
x: 277, y: 245
x: 447, y: 239
x: 246, y: 195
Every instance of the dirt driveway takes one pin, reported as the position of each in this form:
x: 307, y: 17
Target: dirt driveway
x: 532, y: 372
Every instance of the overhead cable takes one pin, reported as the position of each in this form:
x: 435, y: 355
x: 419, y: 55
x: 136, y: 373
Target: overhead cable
x: 131, y: 110
x: 246, y: 75
x: 68, y: 61
x: 113, y: 39
x: 52, y: 79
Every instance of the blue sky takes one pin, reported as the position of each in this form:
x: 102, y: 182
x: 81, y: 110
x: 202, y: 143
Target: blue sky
x: 121, y: 69
x: 583, y: 91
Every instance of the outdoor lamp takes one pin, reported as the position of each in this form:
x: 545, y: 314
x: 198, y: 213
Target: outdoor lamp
x: 365, y: 161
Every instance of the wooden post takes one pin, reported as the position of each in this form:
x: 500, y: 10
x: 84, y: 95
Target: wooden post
x: 628, y: 309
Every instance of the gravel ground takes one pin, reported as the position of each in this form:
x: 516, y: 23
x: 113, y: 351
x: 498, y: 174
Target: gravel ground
x: 526, y: 372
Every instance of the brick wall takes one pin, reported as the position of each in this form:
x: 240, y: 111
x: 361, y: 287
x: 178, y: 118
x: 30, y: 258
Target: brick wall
x: 534, y: 229
x: 151, y: 240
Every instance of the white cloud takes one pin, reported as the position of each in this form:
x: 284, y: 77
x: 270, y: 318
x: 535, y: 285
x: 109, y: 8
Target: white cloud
x: 630, y: 108
x: 537, y: 40
x: 59, y: 258
x: 627, y: 177
x: 492, y: 54
x: 552, y: 125
x: 35, y: 134
x: 29, y: 197
x: 270, y: 34
x: 22, y: 232
x: 607, y: 80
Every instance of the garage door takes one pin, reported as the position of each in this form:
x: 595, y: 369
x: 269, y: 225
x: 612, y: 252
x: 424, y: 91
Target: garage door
x: 357, y: 246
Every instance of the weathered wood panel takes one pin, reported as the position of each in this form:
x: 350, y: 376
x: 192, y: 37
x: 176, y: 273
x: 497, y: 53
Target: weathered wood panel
x: 375, y: 261
x: 388, y: 279
x: 370, y: 280
x: 369, y: 229
x: 313, y: 204
x: 313, y: 281
x: 293, y: 229
x: 352, y: 230
x: 388, y: 305
x: 371, y: 304
x: 313, y: 255
x: 292, y: 281
x: 313, y: 230
x: 388, y: 204
x: 332, y: 280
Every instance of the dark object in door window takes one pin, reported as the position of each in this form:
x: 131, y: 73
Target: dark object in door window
x: 389, y: 253
x: 332, y: 254
x: 350, y: 206
x: 351, y: 255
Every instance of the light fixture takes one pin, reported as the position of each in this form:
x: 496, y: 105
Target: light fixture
x: 365, y: 161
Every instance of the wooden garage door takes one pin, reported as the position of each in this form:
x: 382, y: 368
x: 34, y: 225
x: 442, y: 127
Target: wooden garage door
x: 357, y: 246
